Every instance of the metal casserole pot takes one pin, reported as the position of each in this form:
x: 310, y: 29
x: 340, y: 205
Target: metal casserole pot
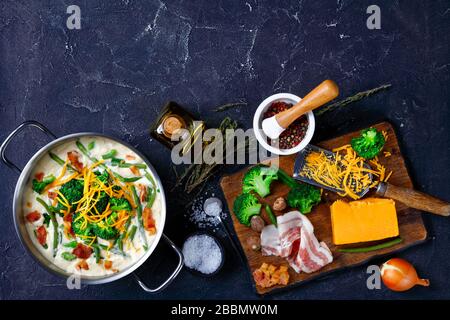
x: 19, y: 218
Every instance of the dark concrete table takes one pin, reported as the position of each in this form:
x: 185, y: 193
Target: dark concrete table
x: 131, y: 56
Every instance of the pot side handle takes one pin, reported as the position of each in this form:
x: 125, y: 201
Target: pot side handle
x: 171, y: 277
x: 16, y: 131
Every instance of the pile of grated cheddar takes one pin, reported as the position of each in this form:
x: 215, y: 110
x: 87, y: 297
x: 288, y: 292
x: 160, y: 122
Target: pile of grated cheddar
x: 345, y: 171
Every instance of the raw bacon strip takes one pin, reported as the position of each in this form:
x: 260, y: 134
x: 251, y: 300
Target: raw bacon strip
x: 312, y: 255
x: 289, y: 226
x: 270, y: 241
x: 295, y: 240
x: 292, y: 259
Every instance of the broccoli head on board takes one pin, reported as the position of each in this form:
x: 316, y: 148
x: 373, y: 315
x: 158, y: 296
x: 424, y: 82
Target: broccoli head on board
x: 245, y: 206
x: 259, y: 179
x: 369, y: 143
x: 303, y: 197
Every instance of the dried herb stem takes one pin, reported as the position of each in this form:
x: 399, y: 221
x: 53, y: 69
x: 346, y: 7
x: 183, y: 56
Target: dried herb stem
x: 228, y: 106
x: 351, y: 99
x: 195, y: 175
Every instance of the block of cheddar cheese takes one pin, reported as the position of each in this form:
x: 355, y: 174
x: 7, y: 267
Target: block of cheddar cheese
x: 363, y: 220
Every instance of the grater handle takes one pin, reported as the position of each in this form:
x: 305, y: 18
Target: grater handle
x: 414, y: 199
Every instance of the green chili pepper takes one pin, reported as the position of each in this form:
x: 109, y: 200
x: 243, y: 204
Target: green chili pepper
x: 373, y: 248
x: 287, y: 179
x: 272, y: 217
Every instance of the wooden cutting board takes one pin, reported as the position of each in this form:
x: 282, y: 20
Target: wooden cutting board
x: 411, y: 226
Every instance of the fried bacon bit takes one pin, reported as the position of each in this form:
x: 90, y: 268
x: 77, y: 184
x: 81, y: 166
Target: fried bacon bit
x: 135, y: 170
x: 108, y: 264
x: 68, y: 231
x: 269, y: 275
x: 68, y: 225
x: 41, y: 235
x: 142, y: 192
x: 33, y: 216
x: 130, y: 157
x: 149, y: 222
x: 67, y: 218
x: 82, y: 265
x: 52, y: 195
x: 73, y: 158
x: 82, y: 251
x: 39, y: 176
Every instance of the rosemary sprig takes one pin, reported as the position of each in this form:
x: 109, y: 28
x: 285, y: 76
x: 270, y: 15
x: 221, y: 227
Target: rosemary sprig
x: 230, y: 106
x: 195, y: 175
x: 354, y: 98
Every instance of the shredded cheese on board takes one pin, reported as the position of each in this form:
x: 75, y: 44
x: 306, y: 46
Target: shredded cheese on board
x: 344, y: 172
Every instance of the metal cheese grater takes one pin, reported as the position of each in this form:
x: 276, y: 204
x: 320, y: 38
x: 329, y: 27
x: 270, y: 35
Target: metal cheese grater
x: 300, y: 163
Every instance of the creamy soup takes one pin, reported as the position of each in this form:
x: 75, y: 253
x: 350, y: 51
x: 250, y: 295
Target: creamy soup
x: 92, y: 207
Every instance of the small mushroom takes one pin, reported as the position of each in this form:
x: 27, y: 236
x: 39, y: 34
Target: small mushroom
x: 254, y: 243
x: 257, y: 223
x: 279, y: 204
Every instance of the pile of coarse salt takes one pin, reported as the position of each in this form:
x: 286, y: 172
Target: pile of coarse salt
x: 203, y: 219
x: 202, y: 253
x: 213, y: 209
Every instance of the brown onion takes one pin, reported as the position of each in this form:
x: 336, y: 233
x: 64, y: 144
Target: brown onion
x: 399, y: 275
